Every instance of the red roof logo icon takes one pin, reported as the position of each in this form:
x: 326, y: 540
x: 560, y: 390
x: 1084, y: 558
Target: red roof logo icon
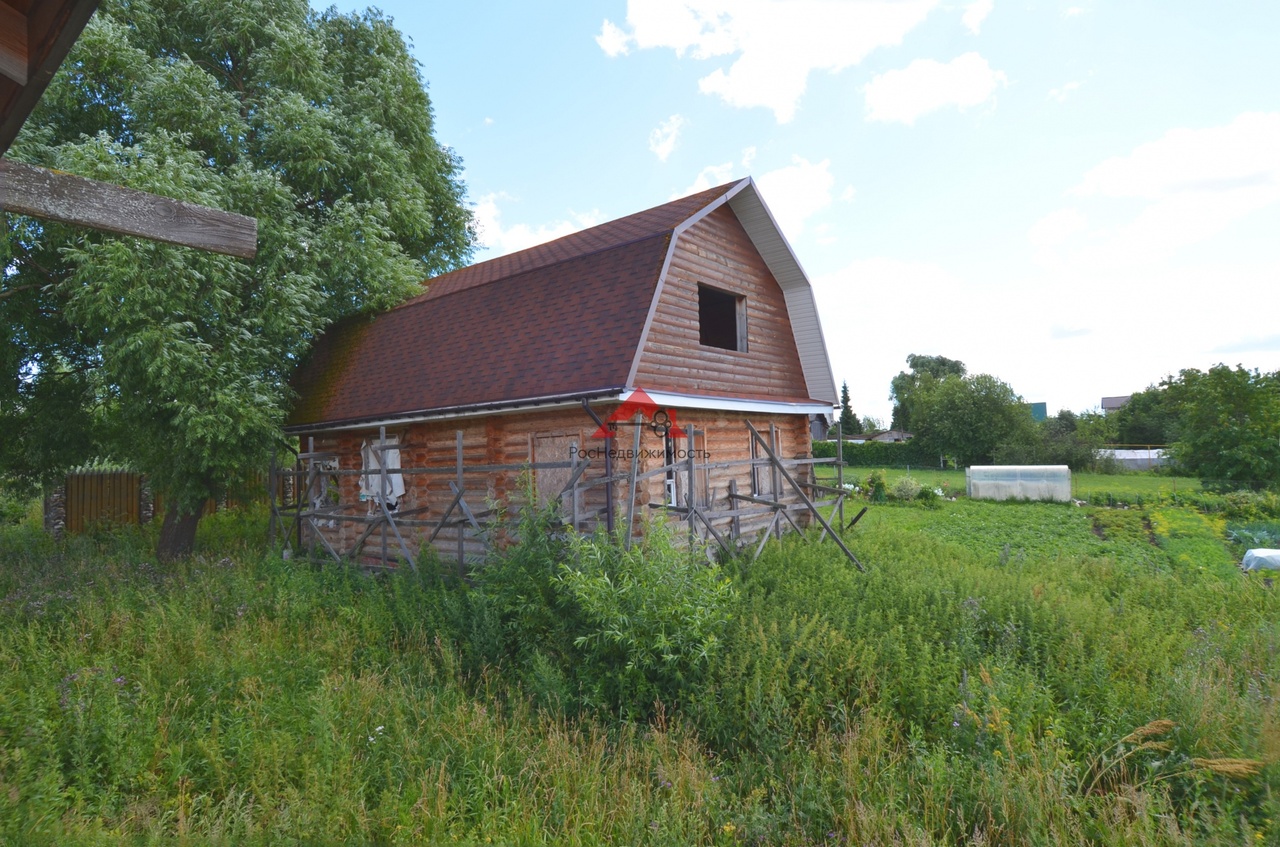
x: 661, y: 421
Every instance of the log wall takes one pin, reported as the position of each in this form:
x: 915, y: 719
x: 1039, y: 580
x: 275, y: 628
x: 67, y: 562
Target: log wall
x: 553, y: 436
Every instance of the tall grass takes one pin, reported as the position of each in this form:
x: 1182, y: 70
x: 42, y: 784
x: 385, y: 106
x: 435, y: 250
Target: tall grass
x: 994, y: 677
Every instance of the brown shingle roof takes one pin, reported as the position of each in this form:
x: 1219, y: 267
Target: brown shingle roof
x: 560, y: 318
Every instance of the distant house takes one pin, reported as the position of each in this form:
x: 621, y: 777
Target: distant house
x: 1111, y: 404
x: 695, y: 311
x: 892, y: 436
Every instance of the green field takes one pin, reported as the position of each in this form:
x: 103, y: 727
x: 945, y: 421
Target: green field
x: 1002, y: 674
x: 1083, y: 485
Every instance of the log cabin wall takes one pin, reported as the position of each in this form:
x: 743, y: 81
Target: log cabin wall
x: 717, y: 252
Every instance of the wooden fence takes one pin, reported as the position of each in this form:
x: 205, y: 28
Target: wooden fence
x: 102, y: 497
x: 121, y: 497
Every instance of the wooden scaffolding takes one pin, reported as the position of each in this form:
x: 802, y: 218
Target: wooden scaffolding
x: 742, y: 520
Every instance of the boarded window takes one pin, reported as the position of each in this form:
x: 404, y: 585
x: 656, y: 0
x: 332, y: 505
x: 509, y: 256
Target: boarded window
x: 553, y: 448
x: 722, y: 319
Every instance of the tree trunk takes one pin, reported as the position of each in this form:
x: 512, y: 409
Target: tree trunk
x: 177, y: 535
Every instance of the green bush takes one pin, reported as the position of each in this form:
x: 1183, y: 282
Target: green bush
x: 880, y: 454
x: 906, y: 488
x: 588, y: 623
x: 647, y: 621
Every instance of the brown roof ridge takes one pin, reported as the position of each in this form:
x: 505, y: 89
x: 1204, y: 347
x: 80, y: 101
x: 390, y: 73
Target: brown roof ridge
x: 426, y: 296
x: 547, y: 251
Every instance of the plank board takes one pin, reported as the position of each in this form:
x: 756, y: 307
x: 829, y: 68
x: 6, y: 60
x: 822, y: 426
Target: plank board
x: 53, y: 195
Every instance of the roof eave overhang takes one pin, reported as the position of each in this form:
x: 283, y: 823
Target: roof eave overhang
x: 665, y: 399
x: 471, y: 410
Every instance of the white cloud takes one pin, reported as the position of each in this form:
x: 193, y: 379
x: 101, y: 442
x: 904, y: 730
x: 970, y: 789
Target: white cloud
x: 499, y: 239
x: 1072, y: 11
x: 1056, y: 227
x: 778, y: 43
x: 748, y: 156
x: 662, y: 141
x: 1195, y: 183
x: 612, y: 40
x: 797, y: 192
x: 1061, y: 94
x: 975, y: 13
x: 927, y: 85
x: 708, y: 177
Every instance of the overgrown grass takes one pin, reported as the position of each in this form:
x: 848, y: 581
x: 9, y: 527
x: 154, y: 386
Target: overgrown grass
x: 982, y: 681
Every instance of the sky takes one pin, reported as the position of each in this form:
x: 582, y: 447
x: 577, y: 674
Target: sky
x: 1079, y: 197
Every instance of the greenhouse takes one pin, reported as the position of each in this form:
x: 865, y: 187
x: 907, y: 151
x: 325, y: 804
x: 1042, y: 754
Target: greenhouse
x: 1018, y: 482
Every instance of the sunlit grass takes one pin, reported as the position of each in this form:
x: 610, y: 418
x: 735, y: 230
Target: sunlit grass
x: 978, y: 682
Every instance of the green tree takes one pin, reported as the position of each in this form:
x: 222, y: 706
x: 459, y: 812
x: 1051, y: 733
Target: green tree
x: 849, y: 423
x: 1229, y: 426
x: 1151, y: 416
x: 923, y: 372
x: 174, y: 360
x: 1064, y: 439
x: 969, y: 417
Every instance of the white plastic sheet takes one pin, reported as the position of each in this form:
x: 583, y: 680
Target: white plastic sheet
x: 1261, y: 559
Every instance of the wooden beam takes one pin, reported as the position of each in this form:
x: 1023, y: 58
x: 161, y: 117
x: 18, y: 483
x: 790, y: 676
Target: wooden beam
x: 57, y: 196
x: 13, y: 44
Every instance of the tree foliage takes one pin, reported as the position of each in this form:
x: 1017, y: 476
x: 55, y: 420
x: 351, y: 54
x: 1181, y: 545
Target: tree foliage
x: 849, y: 423
x: 1150, y: 416
x: 174, y: 360
x: 923, y: 373
x: 1229, y: 425
x: 969, y: 417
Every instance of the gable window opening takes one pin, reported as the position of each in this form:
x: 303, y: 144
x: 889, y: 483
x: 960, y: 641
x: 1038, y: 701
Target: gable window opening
x: 722, y: 319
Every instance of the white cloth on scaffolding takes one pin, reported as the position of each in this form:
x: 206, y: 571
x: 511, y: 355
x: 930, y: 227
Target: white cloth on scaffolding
x: 371, y: 481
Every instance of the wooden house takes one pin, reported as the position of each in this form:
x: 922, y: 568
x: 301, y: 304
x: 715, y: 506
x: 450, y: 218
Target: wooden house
x: 625, y: 367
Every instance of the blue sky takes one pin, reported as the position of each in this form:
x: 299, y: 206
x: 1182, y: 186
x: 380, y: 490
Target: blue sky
x: 1077, y: 196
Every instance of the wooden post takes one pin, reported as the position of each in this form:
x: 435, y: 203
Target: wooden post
x: 382, y: 486
x: 736, y: 523
x: 839, y: 469
x: 311, y: 466
x: 462, y: 527
x: 637, y: 421
x: 773, y: 468
x: 693, y: 501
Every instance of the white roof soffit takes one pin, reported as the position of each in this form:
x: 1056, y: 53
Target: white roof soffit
x: 756, y: 219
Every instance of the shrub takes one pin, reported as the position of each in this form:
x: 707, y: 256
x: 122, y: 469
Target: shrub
x: 876, y: 490
x: 647, y: 621
x: 906, y: 488
x: 588, y: 623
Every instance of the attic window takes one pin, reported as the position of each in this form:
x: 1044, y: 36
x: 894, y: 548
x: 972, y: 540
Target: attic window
x: 722, y: 319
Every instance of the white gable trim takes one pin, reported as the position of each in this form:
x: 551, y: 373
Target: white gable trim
x: 760, y: 225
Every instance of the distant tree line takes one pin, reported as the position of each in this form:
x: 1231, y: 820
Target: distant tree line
x: 1222, y: 425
